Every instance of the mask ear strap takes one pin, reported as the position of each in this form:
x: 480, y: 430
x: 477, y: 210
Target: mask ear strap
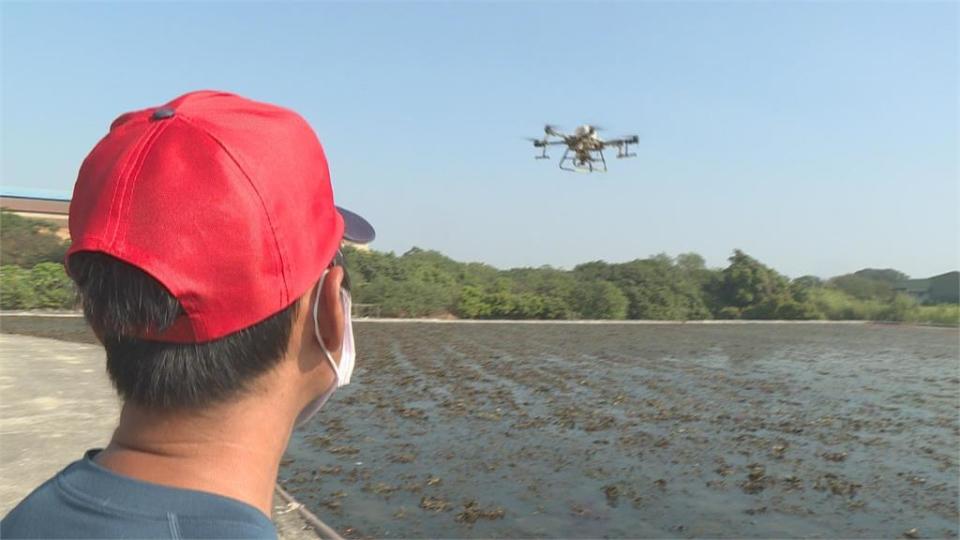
x: 348, y: 349
x: 316, y: 329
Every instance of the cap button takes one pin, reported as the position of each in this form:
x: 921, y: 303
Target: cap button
x: 162, y: 113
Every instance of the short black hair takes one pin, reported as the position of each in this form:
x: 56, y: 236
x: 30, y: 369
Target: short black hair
x: 120, y: 302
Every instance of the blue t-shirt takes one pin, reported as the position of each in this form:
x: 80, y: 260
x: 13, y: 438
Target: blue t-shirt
x: 86, y: 500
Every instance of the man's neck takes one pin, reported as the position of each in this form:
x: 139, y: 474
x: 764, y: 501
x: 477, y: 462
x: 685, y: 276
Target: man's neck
x: 231, y: 450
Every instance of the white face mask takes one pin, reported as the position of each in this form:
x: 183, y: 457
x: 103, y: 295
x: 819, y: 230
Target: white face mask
x: 348, y: 354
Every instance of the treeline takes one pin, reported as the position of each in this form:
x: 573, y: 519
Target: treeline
x: 32, y: 275
x: 423, y: 283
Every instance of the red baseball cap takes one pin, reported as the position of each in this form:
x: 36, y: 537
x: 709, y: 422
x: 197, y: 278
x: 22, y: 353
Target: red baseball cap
x: 223, y: 200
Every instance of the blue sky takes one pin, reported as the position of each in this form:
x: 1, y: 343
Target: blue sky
x: 820, y: 137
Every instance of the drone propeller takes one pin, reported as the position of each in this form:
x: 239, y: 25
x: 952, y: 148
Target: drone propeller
x: 537, y: 142
x: 551, y: 129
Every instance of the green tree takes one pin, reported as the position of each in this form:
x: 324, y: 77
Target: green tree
x: 901, y: 308
x: 16, y: 291
x: 599, y: 300
x: 26, y: 242
x: 802, y: 287
x: 407, y: 298
x: 754, y: 289
x: 52, y: 287
x: 427, y: 283
x: 691, y: 263
x: 887, y: 275
x: 808, y: 282
x: 655, y: 288
x: 863, y: 288
x: 795, y: 310
x: 473, y: 304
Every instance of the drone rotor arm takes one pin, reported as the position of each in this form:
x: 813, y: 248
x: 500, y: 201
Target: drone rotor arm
x: 551, y: 130
x: 622, y: 141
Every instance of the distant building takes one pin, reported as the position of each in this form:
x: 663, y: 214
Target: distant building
x: 358, y: 247
x: 941, y: 289
x: 57, y: 210
x: 51, y: 210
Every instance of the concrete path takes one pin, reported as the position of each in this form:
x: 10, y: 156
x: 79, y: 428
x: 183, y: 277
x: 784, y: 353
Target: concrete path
x: 56, y: 402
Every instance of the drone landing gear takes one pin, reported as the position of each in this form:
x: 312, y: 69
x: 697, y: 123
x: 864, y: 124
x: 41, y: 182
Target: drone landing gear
x: 573, y: 167
x: 603, y: 160
x: 623, y: 151
x: 588, y: 165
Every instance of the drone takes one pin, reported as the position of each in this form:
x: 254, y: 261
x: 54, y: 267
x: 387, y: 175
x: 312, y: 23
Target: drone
x: 584, y: 152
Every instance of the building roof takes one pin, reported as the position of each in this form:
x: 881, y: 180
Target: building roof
x: 913, y: 285
x: 35, y: 205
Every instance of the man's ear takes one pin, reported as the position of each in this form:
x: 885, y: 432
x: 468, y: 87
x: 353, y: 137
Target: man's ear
x: 330, y: 315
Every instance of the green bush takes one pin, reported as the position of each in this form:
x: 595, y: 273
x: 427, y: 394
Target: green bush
x: 45, y: 286
x: 52, y: 287
x: 16, y: 291
x: 599, y: 300
x: 947, y: 314
x: 26, y: 242
x: 800, y: 311
x: 423, y: 283
x: 427, y: 284
x: 729, y: 312
x: 863, y: 288
x: 472, y: 304
x: 837, y: 305
x: 901, y: 308
x: 407, y: 298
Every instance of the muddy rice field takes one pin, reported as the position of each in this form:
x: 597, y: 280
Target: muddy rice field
x: 566, y: 430
x: 512, y: 430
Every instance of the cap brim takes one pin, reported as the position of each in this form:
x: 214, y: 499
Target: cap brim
x: 356, y: 229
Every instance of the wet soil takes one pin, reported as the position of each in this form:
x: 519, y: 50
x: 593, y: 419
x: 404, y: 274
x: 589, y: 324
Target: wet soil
x: 502, y: 430
x: 638, y: 431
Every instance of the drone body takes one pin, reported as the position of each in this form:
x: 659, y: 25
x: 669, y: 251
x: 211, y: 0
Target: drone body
x: 584, y: 148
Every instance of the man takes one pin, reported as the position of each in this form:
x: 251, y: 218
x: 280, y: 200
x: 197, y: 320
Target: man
x: 205, y: 251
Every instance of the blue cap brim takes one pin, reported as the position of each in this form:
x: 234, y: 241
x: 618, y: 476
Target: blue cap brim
x: 356, y: 229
